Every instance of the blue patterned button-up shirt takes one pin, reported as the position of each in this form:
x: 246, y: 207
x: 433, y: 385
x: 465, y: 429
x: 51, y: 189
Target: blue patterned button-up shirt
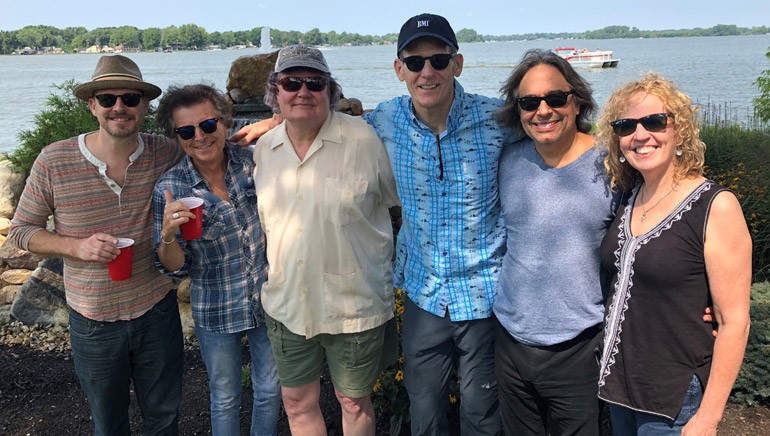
x: 451, y: 243
x: 227, y: 265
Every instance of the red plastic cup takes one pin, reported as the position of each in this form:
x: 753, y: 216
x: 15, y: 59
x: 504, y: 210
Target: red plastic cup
x: 193, y: 229
x: 120, y: 268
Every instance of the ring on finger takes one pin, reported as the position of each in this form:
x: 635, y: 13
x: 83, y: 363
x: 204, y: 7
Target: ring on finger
x: 175, y: 215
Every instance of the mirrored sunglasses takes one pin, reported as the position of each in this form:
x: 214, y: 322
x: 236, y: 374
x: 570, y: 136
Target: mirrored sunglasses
x: 553, y: 99
x: 294, y: 84
x: 438, y: 61
x: 188, y: 132
x: 130, y: 99
x: 651, y: 123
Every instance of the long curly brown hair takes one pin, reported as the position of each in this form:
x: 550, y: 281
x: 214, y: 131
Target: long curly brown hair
x: 686, y: 120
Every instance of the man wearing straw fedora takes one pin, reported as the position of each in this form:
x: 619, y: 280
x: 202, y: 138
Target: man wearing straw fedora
x: 98, y: 187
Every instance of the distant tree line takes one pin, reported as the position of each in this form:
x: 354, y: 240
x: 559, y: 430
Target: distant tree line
x: 184, y: 37
x: 612, y: 32
x: 194, y: 37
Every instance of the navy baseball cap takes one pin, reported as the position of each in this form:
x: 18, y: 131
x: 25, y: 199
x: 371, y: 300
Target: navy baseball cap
x: 426, y: 25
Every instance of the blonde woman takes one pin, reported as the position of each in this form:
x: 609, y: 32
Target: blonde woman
x: 679, y: 243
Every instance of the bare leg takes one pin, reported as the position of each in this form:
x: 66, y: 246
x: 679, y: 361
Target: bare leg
x: 303, y: 409
x: 357, y: 415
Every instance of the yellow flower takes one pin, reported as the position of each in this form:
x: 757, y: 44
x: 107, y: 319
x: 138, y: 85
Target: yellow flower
x: 452, y: 398
x: 399, y: 375
x: 399, y: 292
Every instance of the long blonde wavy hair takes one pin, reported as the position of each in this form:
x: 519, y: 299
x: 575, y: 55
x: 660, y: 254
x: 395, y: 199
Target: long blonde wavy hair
x: 686, y: 121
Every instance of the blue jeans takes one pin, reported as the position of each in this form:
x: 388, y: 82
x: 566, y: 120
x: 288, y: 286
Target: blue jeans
x: 431, y: 344
x: 626, y: 421
x: 222, y: 354
x: 147, y: 350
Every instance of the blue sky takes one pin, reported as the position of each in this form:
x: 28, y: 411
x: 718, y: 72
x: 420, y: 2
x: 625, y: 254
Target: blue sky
x: 492, y: 17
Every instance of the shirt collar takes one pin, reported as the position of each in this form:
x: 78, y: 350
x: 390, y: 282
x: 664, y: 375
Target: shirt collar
x: 331, y: 131
x: 96, y: 161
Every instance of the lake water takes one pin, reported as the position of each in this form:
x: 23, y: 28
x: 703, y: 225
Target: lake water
x: 716, y: 70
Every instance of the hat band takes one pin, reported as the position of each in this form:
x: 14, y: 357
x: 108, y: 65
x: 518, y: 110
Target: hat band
x: 113, y: 76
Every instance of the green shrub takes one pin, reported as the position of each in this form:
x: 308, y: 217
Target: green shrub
x: 752, y: 387
x: 63, y: 116
x: 762, y: 103
x: 389, y: 395
x: 739, y: 158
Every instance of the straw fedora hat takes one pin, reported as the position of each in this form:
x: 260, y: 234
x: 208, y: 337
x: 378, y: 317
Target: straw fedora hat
x: 116, y: 72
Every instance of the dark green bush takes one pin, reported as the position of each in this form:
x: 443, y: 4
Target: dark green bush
x: 762, y: 102
x: 753, y: 384
x: 739, y: 158
x: 63, y: 116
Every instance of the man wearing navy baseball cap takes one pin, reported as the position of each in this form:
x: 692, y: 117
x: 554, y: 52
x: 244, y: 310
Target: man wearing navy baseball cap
x: 444, y: 145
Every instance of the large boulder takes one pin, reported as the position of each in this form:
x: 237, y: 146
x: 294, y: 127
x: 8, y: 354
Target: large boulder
x: 248, y: 76
x: 41, y: 299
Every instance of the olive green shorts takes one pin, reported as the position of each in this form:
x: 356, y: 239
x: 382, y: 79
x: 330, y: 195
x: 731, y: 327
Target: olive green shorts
x: 354, y: 359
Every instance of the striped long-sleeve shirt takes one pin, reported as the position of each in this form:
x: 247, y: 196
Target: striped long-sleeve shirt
x: 69, y: 182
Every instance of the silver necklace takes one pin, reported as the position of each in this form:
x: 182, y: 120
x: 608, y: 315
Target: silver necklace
x: 645, y: 210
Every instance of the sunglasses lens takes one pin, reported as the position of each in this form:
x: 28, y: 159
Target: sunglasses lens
x: 209, y: 126
x: 440, y: 61
x: 529, y: 104
x: 414, y: 63
x: 556, y: 100
x: 106, y: 100
x: 290, y: 84
x: 623, y: 127
x: 131, y: 100
x: 186, y: 132
x: 315, y: 84
x: 654, y: 123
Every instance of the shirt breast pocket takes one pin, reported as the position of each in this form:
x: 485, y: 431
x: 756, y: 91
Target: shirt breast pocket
x: 213, y: 224
x: 346, y: 201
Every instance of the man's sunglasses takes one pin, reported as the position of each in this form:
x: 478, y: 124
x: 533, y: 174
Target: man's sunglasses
x: 130, y: 99
x: 552, y: 99
x: 294, y: 84
x: 651, y: 123
x: 438, y: 61
x: 188, y: 132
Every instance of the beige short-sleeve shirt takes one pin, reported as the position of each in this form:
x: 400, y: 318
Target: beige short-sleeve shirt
x: 329, y: 234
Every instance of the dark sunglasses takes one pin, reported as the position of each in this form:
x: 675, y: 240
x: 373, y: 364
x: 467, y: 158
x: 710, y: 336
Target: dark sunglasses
x: 108, y: 100
x: 294, y: 84
x: 438, y: 61
x: 188, y: 132
x: 552, y: 99
x: 651, y: 123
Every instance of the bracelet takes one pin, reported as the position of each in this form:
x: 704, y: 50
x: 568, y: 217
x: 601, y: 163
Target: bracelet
x: 167, y: 243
